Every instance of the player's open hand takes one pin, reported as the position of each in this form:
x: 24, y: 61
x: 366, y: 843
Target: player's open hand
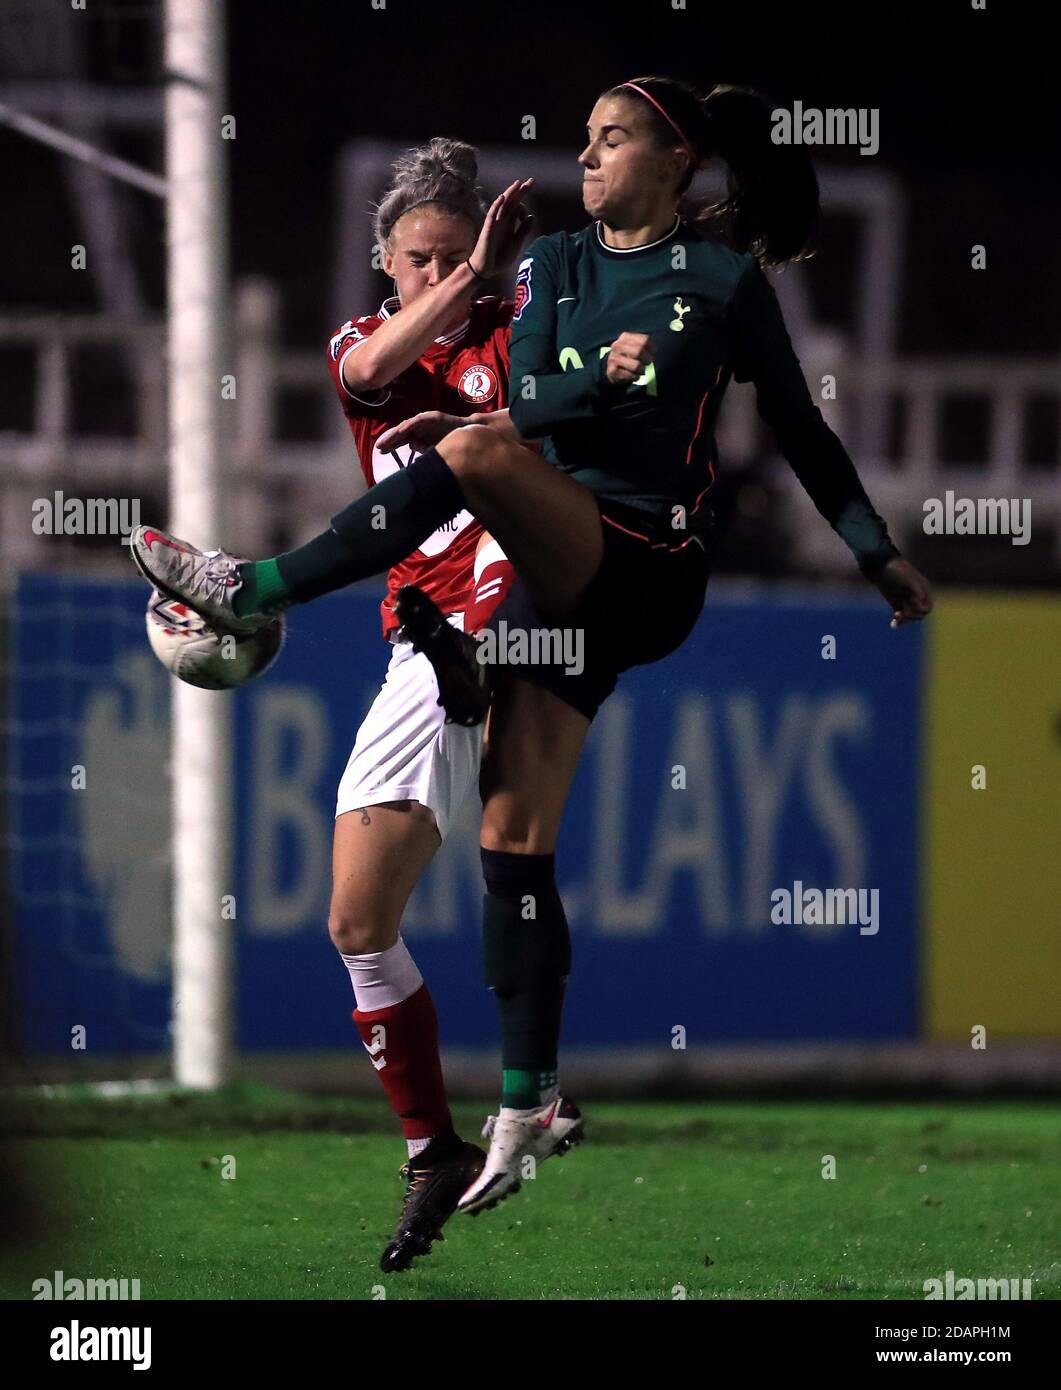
x: 628, y: 357
x: 419, y: 431
x: 506, y: 228
x: 907, y: 591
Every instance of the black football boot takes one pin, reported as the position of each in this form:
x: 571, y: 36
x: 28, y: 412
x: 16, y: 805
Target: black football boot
x: 463, y: 680
x: 436, y: 1180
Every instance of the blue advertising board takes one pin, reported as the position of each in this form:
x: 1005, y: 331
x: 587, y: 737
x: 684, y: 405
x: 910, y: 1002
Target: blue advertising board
x: 761, y: 760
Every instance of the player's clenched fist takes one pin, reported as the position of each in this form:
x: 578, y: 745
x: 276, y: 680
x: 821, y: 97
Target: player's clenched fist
x: 906, y: 589
x: 628, y: 357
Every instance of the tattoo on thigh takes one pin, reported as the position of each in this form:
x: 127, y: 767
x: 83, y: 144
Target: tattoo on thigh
x: 364, y: 815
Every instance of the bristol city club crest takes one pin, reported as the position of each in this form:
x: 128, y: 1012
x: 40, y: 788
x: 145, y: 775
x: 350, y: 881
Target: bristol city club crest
x: 477, y: 385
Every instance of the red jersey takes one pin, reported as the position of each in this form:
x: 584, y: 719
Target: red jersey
x: 464, y: 372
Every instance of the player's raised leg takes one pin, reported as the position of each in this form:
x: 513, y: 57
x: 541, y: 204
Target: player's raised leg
x: 532, y: 752
x: 547, y: 524
x: 379, y: 853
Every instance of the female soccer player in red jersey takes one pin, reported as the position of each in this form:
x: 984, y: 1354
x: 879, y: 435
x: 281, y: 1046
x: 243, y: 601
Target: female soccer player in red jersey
x: 435, y: 345
x: 624, y: 338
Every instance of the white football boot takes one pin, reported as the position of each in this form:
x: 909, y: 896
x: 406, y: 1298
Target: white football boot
x: 553, y: 1129
x: 206, y: 580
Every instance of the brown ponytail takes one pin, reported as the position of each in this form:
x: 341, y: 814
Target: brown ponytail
x: 771, y: 205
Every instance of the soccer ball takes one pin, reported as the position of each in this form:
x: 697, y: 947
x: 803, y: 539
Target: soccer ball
x: 202, y: 656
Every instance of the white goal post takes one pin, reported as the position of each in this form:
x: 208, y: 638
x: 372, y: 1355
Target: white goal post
x: 195, y: 192
x: 197, y: 235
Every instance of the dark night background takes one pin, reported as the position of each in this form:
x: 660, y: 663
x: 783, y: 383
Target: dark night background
x: 968, y: 119
x: 968, y: 127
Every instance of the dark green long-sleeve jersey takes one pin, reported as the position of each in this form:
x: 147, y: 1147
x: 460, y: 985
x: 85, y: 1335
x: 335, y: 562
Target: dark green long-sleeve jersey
x: 650, y: 444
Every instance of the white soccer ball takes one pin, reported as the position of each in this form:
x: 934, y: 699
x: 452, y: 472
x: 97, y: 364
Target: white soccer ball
x: 199, y: 655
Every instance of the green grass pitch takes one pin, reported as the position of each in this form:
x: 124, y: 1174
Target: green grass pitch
x: 705, y: 1199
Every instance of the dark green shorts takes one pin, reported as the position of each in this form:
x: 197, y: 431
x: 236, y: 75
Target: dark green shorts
x: 639, y: 607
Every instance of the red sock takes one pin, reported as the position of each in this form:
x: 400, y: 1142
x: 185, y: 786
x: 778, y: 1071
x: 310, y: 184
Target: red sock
x: 493, y: 579
x: 402, y: 1041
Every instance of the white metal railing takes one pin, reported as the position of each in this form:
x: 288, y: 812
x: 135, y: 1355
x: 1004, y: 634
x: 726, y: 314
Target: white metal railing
x: 311, y: 477
x: 921, y: 388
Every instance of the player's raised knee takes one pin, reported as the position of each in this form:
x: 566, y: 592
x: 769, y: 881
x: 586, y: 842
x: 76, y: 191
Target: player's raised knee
x: 471, y: 449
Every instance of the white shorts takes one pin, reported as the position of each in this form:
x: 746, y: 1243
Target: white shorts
x: 405, y: 751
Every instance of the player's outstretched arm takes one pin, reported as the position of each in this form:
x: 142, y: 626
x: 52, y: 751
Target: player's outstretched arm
x: 765, y: 356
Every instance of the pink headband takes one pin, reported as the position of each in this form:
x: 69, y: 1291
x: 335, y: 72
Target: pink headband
x: 670, y: 121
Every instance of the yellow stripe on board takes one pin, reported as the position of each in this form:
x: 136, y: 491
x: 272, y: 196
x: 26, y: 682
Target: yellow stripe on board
x: 992, y: 858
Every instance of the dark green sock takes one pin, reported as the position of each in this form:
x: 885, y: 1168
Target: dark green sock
x: 523, y: 1090
x: 382, y: 527
x: 527, y: 958
x: 263, y: 591
x: 294, y: 577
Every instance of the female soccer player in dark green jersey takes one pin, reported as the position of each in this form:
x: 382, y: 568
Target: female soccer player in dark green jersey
x: 624, y: 338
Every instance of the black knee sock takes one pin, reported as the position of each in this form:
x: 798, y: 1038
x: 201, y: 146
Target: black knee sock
x: 527, y: 955
x: 369, y: 536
